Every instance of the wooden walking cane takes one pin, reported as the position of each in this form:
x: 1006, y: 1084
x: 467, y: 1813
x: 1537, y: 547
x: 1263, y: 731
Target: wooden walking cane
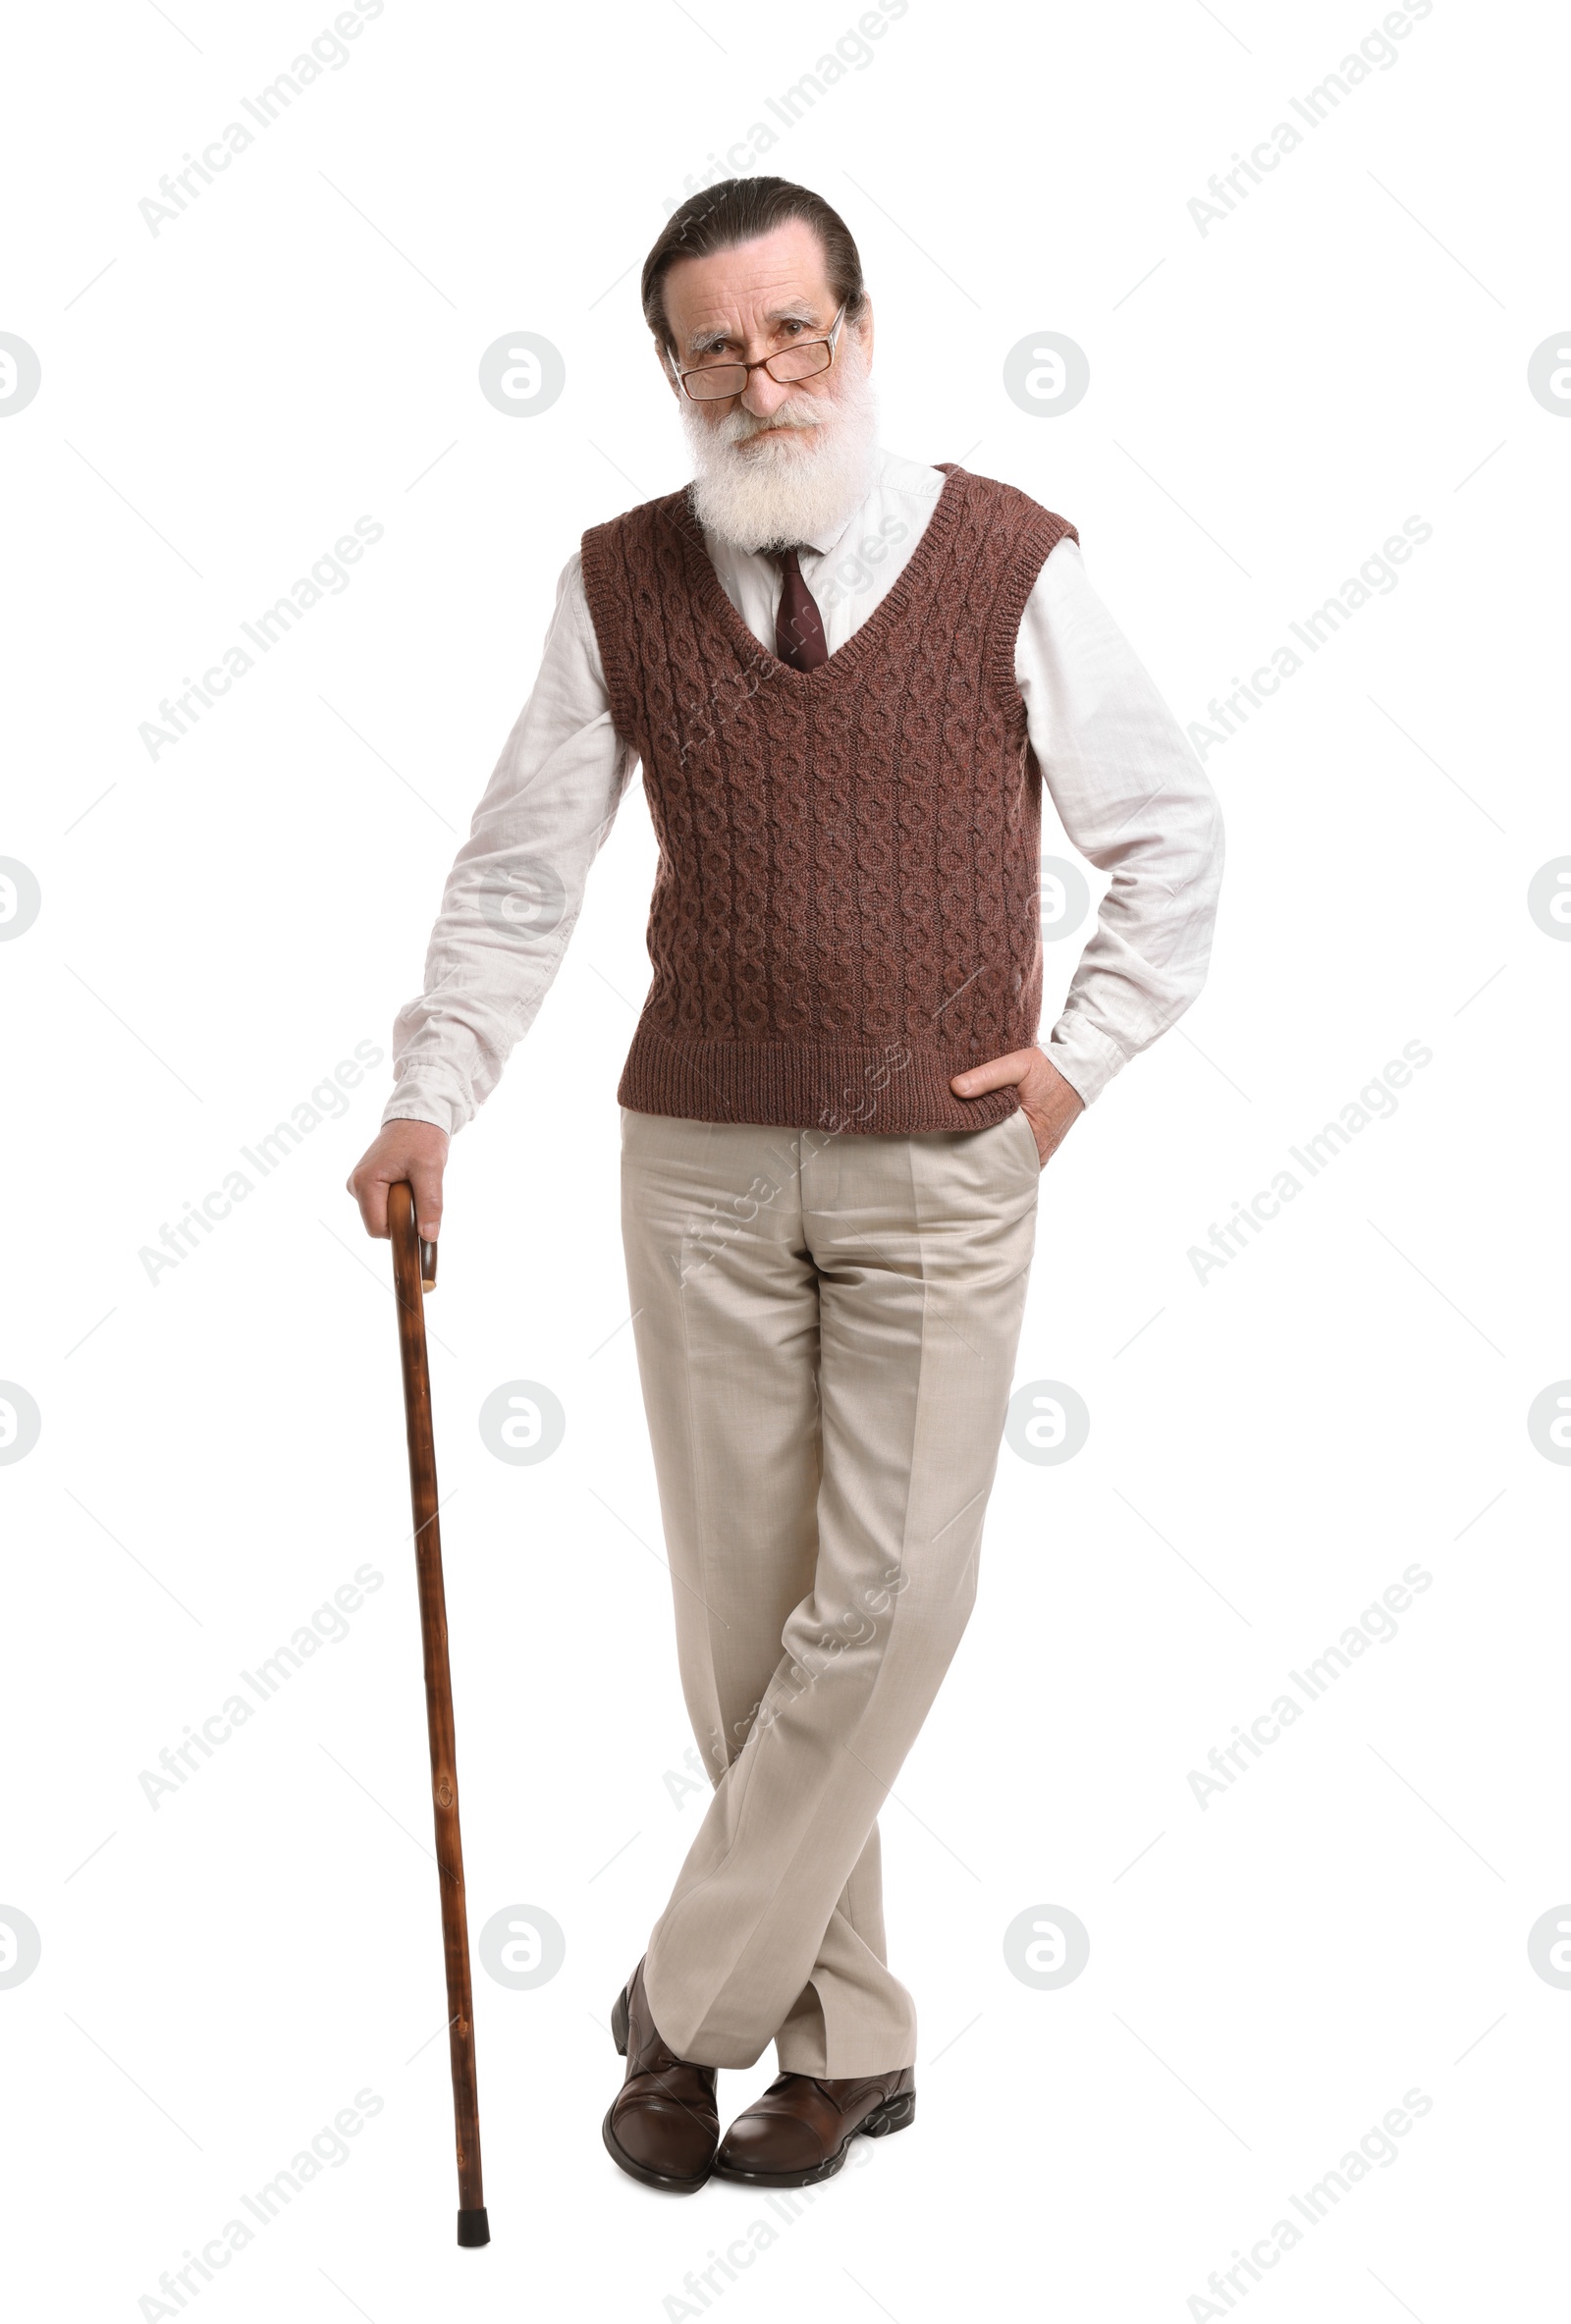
x: 413, y: 1274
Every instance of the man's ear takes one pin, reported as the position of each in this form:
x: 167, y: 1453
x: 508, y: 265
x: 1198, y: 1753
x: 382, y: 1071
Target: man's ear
x: 864, y: 333
x: 666, y: 371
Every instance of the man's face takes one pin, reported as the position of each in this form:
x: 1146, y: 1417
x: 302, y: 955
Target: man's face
x: 739, y: 304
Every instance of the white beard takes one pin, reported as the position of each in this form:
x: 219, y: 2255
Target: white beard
x: 753, y: 489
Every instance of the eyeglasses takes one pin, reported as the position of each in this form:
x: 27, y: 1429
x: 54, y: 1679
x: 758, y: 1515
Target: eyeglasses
x: 800, y: 361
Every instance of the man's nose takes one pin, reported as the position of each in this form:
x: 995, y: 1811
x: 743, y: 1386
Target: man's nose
x: 762, y: 396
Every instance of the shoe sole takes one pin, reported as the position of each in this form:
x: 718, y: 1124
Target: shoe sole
x: 895, y: 2114
x: 622, y: 2160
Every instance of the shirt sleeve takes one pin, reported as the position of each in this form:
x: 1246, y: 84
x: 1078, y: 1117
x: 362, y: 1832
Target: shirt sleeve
x: 516, y: 886
x: 1134, y: 799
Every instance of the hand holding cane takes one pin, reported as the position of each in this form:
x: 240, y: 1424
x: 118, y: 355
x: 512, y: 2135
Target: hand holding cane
x: 413, y: 1274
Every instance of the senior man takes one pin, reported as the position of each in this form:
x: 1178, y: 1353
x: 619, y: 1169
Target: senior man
x: 846, y: 675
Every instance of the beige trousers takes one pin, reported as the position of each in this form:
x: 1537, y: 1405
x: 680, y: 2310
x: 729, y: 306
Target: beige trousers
x: 826, y: 1327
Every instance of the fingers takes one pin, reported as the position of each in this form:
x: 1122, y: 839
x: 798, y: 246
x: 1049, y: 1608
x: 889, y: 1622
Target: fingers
x: 997, y: 1074
x: 411, y: 1151
x: 370, y: 1189
x: 425, y: 1176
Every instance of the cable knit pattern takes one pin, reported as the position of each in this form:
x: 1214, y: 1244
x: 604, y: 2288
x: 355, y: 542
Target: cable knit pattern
x: 846, y: 908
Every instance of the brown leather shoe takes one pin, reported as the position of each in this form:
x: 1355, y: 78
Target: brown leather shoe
x: 663, y: 2122
x: 801, y: 2128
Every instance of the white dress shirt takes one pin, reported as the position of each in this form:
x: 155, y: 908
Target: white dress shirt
x: 1127, y: 787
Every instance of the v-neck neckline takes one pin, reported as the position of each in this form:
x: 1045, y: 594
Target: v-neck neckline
x: 862, y: 639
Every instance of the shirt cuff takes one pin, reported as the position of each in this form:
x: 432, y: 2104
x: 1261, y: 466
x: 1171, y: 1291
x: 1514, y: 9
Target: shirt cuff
x: 1087, y: 1058
x: 414, y: 1106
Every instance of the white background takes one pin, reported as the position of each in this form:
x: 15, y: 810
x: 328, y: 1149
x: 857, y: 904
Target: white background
x: 219, y: 1451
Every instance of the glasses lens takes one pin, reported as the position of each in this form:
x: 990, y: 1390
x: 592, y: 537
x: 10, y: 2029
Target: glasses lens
x: 715, y: 379
x: 799, y: 362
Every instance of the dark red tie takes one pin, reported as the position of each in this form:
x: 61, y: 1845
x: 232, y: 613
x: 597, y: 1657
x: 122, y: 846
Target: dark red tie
x: 798, y: 629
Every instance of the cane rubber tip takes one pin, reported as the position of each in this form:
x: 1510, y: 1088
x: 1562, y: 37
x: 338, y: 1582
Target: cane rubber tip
x: 473, y: 2226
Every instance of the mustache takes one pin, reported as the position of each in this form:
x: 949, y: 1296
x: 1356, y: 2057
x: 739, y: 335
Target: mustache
x: 739, y: 427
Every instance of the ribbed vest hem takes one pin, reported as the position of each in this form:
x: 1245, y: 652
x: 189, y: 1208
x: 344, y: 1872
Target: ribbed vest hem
x: 893, y: 1090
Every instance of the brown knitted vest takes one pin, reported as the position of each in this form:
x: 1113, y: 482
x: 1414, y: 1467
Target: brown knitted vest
x: 846, y: 908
